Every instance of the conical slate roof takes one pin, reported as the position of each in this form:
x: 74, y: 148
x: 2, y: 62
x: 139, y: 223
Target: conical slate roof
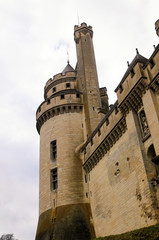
x: 68, y: 68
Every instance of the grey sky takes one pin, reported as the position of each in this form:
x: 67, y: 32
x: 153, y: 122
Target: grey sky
x: 34, y: 38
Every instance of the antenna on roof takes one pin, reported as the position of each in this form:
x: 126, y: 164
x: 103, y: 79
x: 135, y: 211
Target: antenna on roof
x: 137, y: 51
x: 128, y: 63
x: 78, y: 18
x: 154, y: 46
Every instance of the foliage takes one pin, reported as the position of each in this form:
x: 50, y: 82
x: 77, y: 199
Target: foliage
x: 147, y: 233
x: 7, y: 237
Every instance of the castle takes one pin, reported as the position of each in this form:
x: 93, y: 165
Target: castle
x: 99, y: 164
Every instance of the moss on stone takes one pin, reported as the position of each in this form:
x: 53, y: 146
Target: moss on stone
x: 147, y: 233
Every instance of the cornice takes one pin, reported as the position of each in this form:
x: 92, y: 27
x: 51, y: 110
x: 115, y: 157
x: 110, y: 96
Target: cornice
x: 54, y: 111
x: 108, y: 142
x: 133, y: 101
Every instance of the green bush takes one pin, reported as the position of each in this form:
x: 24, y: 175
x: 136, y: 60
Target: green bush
x: 147, y: 233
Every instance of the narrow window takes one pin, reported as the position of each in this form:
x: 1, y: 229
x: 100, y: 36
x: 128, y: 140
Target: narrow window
x: 77, y: 95
x: 48, y: 101
x: 54, y: 89
x: 68, y: 85
x: 54, y: 183
x: 53, y: 150
x: 85, y: 176
x: 62, y: 96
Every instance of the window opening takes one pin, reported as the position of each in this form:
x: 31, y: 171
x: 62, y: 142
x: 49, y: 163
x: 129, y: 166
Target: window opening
x: 48, y: 101
x: 62, y: 96
x: 85, y: 176
x: 53, y: 150
x: 54, y: 184
x: 77, y: 95
x: 68, y: 85
x: 54, y: 89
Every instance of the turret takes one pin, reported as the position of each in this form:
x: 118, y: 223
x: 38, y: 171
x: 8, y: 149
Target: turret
x: 87, y: 79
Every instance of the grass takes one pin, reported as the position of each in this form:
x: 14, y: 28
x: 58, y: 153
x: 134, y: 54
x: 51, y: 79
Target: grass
x: 147, y: 233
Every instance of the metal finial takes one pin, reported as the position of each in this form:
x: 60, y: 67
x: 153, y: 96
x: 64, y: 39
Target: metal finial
x: 128, y: 63
x: 78, y: 18
x: 68, y: 57
x: 137, y: 51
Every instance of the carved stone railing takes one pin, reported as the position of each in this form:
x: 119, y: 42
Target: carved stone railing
x: 105, y: 145
x: 133, y: 100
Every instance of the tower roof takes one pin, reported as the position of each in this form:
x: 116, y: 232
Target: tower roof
x: 137, y: 59
x: 68, y: 68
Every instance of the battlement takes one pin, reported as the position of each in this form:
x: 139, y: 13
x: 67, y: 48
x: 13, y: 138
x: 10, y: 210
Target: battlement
x: 84, y: 29
x: 83, y: 25
x: 60, y: 76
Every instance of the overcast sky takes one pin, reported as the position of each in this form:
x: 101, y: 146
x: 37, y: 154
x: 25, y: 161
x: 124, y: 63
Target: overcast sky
x: 34, y: 38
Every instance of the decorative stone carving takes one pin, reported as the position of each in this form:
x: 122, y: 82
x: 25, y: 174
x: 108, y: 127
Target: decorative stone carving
x: 134, y: 99
x: 143, y: 123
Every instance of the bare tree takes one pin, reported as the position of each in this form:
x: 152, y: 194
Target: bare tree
x: 7, y: 237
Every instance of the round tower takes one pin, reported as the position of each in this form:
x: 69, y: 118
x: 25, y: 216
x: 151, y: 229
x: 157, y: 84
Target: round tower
x: 64, y: 211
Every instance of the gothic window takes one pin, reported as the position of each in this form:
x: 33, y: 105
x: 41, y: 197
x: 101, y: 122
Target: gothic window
x: 143, y: 123
x: 54, y: 183
x: 53, y: 150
